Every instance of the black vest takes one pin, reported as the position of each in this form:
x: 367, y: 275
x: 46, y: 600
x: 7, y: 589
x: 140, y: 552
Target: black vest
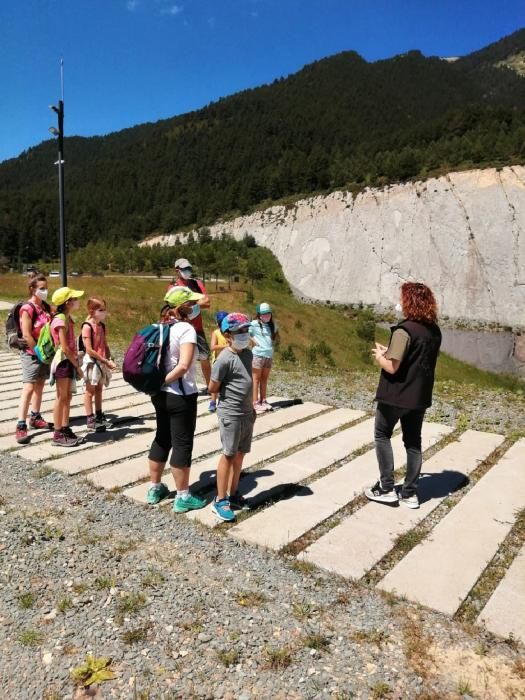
x: 411, y: 386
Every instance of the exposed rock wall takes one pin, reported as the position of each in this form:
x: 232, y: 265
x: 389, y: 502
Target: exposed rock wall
x: 462, y: 234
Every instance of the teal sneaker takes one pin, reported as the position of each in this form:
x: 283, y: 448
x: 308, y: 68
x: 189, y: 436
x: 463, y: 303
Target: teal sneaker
x: 223, y: 510
x: 183, y: 505
x: 156, y: 494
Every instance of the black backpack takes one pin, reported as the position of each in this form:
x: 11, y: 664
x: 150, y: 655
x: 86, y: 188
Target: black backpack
x: 13, y: 330
x: 80, y: 341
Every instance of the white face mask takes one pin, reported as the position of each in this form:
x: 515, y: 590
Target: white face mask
x: 41, y: 293
x: 241, y: 341
x: 185, y: 274
x: 100, y: 315
x: 195, y: 311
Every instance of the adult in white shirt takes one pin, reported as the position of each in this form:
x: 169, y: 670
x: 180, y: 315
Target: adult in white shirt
x: 176, y: 404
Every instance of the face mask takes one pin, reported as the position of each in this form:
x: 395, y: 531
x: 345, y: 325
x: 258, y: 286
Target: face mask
x: 100, y: 315
x: 241, y: 341
x: 195, y: 311
x: 41, y: 293
x: 398, y: 308
x: 185, y: 274
x: 266, y: 318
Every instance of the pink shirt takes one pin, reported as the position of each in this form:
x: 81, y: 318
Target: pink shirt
x: 98, y: 337
x: 57, y: 323
x: 42, y: 317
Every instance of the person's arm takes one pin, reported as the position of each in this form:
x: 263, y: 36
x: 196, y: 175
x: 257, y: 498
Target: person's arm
x: 204, y: 303
x: 184, y: 363
x: 26, y: 324
x: 214, y: 386
x: 214, y: 343
x: 390, y: 366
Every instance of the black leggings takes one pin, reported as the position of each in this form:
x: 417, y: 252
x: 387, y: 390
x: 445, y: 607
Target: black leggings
x: 176, y: 420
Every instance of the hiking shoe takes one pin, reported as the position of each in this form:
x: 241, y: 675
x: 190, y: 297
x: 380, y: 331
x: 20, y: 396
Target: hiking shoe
x: 376, y: 493
x: 157, y: 493
x: 409, y: 501
x: 21, y: 434
x: 100, y: 425
x: 258, y: 407
x: 38, y: 423
x: 63, y: 439
x: 103, y: 419
x: 222, y: 510
x: 212, y: 406
x: 238, y: 502
x: 267, y: 406
x: 91, y: 424
x: 183, y: 505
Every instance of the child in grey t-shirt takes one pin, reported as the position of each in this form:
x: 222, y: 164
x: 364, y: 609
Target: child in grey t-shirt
x: 231, y: 378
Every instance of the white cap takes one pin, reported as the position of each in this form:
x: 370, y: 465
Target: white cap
x: 181, y: 263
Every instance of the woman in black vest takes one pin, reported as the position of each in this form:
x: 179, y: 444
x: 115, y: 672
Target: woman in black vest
x: 405, y: 391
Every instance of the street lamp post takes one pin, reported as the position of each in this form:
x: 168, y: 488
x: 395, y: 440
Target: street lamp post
x: 59, y: 133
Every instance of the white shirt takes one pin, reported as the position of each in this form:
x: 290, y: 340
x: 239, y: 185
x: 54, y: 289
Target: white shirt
x: 180, y: 333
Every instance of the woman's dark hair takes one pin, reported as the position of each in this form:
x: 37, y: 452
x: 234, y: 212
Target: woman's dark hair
x: 167, y: 314
x: 418, y: 302
x: 270, y: 323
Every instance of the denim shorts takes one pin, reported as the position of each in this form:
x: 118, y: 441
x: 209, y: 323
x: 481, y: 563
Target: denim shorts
x: 33, y: 370
x: 236, y: 434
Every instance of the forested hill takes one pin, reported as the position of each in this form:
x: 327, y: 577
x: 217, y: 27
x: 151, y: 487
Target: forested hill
x: 340, y: 122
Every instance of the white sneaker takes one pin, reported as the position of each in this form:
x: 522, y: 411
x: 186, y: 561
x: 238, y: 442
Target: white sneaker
x: 376, y: 493
x: 258, y: 407
x: 410, y: 501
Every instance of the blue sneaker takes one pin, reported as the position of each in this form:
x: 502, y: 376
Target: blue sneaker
x: 222, y: 510
x: 212, y: 406
x: 156, y: 494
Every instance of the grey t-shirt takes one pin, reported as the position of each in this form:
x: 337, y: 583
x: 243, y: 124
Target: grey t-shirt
x: 234, y: 371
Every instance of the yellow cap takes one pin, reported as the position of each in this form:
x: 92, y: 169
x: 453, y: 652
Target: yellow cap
x: 63, y: 294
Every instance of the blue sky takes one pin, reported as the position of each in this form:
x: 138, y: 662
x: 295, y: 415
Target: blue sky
x: 132, y: 61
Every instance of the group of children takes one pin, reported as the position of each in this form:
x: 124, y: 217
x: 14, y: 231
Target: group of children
x: 86, y: 358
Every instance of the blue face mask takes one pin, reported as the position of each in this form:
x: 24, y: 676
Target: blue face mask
x: 195, y: 311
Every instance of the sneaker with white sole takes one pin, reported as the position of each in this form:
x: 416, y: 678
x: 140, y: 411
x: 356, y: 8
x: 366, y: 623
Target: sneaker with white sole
x: 183, y: 505
x: 157, y: 493
x: 378, y: 494
x: 409, y: 501
x: 222, y: 510
x: 258, y: 407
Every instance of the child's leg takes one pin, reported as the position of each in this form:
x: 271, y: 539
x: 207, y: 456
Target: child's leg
x: 62, y: 403
x: 265, y: 373
x: 89, y: 392
x: 25, y: 398
x: 224, y: 475
x: 38, y: 390
x: 98, y: 397
x: 256, y: 377
x: 235, y: 473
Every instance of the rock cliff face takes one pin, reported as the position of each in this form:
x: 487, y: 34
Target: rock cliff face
x: 462, y: 234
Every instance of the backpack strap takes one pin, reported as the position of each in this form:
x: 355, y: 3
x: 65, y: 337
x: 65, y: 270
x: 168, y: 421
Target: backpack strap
x: 87, y: 323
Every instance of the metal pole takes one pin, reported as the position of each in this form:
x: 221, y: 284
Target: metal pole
x: 60, y: 163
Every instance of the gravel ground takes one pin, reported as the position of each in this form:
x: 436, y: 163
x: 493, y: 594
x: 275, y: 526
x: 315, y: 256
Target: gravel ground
x: 184, y: 612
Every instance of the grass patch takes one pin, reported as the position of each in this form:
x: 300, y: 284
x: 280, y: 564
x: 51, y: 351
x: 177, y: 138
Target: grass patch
x: 380, y: 690
x: 250, y: 599
x: 30, y: 638
x: 408, y: 540
x: 416, y: 645
x: 134, y: 636
x: 317, y: 641
x: 41, y: 472
x: 153, y: 578
x: 277, y: 658
x: 377, y: 637
x: 124, y: 546
x: 129, y: 604
x: 228, y: 657
x: 64, y: 604
x: 26, y: 601
x: 518, y: 668
x: 104, y: 583
x: 464, y: 687
x: 303, y: 567
x: 302, y: 610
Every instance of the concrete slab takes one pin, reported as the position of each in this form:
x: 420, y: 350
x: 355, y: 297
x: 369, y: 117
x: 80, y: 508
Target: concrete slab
x: 289, y: 519
x: 504, y: 614
x: 360, y: 541
x: 260, y: 484
x: 10, y: 398
x: 440, y: 571
x: 203, y: 472
x: 130, y: 471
